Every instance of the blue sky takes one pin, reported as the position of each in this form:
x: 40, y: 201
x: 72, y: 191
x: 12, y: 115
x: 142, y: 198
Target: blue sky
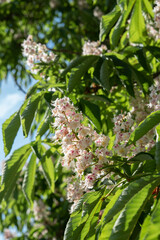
x: 11, y: 98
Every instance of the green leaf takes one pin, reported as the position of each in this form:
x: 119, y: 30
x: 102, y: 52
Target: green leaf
x: 110, y: 205
x: 126, y: 77
x: 148, y: 7
x: 116, y: 32
x: 104, y: 75
x: 38, y: 149
x: 107, y: 229
x: 120, y: 25
x: 142, y: 162
x: 44, y: 125
x: 150, y: 228
x: 89, y: 227
x: 48, y: 169
x: 146, y: 125
x: 155, y: 51
x: 108, y: 21
x: 127, y: 207
x: 92, y: 111
x: 78, y: 72
x: 29, y: 178
x: 142, y: 58
x: 9, y: 129
x: 32, y: 90
x: 12, y: 169
x: 119, y: 201
x: 144, y: 228
x: 129, y: 216
x: 28, y: 111
x: 81, y: 213
x: 101, y: 98
x: 74, y: 64
x: 137, y: 25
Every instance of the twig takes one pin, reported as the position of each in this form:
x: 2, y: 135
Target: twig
x: 64, y: 51
x: 20, y: 88
x: 113, y: 188
x: 156, y: 74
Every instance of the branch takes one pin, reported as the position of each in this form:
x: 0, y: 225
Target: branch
x: 156, y: 74
x: 20, y: 88
x: 64, y: 51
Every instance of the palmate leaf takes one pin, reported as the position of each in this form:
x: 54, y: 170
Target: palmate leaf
x: 29, y: 178
x: 104, y: 75
x: 148, y: 7
x: 155, y: 51
x: 27, y: 112
x: 126, y: 77
x: 120, y: 25
x: 45, y: 157
x: 146, y: 125
x: 120, y: 199
x: 127, y: 219
x: 44, y: 125
x: 108, y: 21
x: 150, y: 228
x: 81, y: 213
x: 9, y: 129
x: 137, y: 25
x: 48, y: 169
x: 77, y: 61
x: 79, y: 71
x: 107, y: 229
x: 88, y: 229
x: 119, y: 217
x: 122, y: 213
x: 12, y: 169
x: 92, y: 111
x: 142, y: 58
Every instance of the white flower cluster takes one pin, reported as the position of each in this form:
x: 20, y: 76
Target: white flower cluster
x: 97, y: 12
x: 154, y: 28
x: 154, y: 97
x: 93, y: 48
x: 5, y: 1
x: 39, y: 210
x: 124, y: 124
x: 8, y: 234
x: 157, y: 14
x: 85, y: 151
x: 36, y: 53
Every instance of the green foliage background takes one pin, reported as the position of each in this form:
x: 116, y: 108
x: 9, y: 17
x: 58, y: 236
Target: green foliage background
x: 33, y: 172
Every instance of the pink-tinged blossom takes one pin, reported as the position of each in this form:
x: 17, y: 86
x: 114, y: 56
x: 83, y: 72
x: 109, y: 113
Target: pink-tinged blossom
x: 84, y: 161
x: 97, y: 170
x: 102, y: 154
x: 93, y: 48
x: 36, y: 53
x: 154, y: 27
x: 8, y: 234
x: 74, y: 191
x: 77, y: 141
x: 39, y: 210
x: 102, y: 141
x: 85, y: 131
x: 84, y: 143
x: 89, y: 180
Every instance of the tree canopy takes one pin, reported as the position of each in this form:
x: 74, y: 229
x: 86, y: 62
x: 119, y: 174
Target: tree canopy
x: 92, y: 168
